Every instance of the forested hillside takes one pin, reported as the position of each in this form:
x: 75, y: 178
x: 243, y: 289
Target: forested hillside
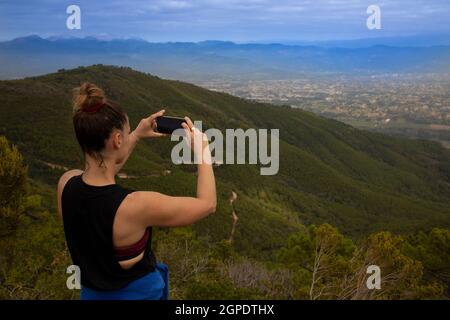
x: 362, y: 198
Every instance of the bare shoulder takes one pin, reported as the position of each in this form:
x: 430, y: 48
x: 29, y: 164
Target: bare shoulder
x: 138, y: 204
x: 137, y: 200
x: 66, y: 177
x: 62, y: 182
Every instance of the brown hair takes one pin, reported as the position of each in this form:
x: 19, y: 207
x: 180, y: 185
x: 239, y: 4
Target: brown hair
x: 94, y: 119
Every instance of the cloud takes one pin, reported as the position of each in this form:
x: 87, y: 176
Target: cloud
x: 224, y: 19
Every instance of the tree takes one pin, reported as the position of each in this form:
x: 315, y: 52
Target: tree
x: 331, y: 267
x: 433, y: 250
x: 401, y: 276
x: 324, y: 253
x: 33, y: 255
x: 13, y: 186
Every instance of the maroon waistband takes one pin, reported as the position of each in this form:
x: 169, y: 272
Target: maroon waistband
x: 132, y: 251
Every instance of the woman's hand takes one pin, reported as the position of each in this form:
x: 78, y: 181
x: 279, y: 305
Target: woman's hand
x: 147, y: 127
x: 198, y: 141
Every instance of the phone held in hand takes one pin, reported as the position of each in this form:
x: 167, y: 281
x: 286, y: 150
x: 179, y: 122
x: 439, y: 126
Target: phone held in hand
x: 168, y: 124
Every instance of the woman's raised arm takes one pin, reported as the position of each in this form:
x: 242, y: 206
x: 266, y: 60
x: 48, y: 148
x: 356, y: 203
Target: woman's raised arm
x: 156, y: 209
x: 145, y: 129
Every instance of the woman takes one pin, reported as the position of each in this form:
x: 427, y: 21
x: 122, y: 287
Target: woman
x: 108, y: 228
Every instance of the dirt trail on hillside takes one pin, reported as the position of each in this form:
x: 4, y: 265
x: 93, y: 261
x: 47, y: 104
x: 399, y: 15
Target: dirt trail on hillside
x: 233, y: 197
x: 121, y: 175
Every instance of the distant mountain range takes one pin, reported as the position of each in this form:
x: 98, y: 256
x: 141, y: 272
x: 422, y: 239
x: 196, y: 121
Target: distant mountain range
x: 34, y: 55
x: 428, y: 40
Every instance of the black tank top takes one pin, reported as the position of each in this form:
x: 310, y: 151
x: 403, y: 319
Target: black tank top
x: 88, y: 216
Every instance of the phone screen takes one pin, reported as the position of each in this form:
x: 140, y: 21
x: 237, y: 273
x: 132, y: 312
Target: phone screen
x: 167, y: 124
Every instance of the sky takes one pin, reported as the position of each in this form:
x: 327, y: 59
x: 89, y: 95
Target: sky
x: 234, y: 20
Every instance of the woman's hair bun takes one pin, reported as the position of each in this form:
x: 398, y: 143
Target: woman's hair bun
x: 86, y: 96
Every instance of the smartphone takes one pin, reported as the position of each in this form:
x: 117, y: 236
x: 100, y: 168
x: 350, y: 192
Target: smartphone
x: 168, y: 124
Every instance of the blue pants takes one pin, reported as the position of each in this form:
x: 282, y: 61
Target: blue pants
x: 153, y: 286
